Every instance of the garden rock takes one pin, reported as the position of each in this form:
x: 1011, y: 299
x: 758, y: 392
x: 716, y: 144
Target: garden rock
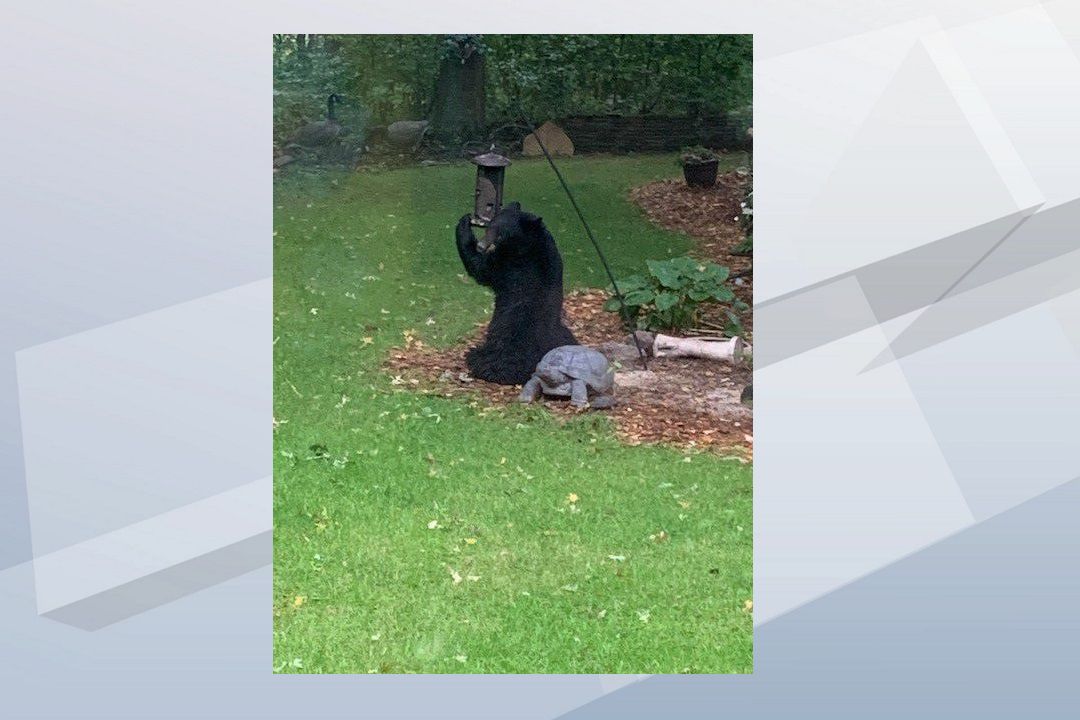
x: 406, y: 134
x: 644, y: 338
x: 618, y: 352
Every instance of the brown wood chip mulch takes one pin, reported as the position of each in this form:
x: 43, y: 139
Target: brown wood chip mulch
x: 710, y: 217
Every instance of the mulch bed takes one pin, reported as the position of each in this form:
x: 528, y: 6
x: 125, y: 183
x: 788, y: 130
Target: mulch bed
x: 710, y: 216
x: 680, y: 401
x: 685, y: 402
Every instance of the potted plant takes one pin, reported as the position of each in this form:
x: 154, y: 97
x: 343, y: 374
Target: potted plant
x: 699, y: 165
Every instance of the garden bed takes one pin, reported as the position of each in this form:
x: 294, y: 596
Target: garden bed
x: 685, y: 402
x: 710, y: 217
x: 680, y: 401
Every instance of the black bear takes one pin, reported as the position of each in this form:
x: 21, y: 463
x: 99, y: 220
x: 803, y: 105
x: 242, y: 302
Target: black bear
x: 518, y: 259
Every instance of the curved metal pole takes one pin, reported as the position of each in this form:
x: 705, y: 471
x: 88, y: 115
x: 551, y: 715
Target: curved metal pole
x: 588, y: 231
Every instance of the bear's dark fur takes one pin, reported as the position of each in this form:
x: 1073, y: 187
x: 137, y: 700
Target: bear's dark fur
x: 518, y: 259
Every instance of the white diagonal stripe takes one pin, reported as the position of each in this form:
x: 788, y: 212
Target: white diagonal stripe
x: 158, y: 543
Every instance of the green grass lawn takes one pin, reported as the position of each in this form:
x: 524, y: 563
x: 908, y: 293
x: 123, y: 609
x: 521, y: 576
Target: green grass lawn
x: 417, y: 534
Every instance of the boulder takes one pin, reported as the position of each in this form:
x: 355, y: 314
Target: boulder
x: 618, y: 352
x: 406, y: 134
x: 556, y: 141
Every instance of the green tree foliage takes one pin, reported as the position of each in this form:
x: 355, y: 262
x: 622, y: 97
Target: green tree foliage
x: 392, y: 77
x: 307, y: 69
x: 555, y: 75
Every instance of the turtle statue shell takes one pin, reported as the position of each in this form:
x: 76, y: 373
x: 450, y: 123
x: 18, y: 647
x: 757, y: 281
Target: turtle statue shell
x: 576, y: 371
x: 578, y: 362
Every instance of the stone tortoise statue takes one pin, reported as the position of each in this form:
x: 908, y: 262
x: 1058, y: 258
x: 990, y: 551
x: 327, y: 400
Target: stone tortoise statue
x: 576, y: 371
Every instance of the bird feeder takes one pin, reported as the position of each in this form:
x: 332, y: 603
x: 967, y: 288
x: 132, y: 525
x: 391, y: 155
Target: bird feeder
x: 490, y: 173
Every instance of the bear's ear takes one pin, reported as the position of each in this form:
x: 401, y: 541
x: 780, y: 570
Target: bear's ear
x: 532, y: 221
x: 515, y: 206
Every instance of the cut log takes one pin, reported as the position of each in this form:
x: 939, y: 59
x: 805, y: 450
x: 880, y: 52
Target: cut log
x: 724, y: 349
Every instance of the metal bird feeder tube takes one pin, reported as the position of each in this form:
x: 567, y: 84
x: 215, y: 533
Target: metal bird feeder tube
x: 490, y: 175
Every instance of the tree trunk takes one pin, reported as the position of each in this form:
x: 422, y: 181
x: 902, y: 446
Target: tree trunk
x: 301, y: 49
x: 457, y: 107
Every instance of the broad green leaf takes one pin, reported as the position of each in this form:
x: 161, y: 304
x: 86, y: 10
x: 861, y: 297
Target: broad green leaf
x: 631, y: 282
x: 668, y: 275
x: 666, y: 300
x: 723, y: 294
x: 683, y: 264
x: 719, y: 272
x: 638, y: 297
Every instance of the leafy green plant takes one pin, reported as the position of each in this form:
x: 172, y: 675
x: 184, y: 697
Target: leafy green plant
x: 746, y: 207
x: 746, y: 220
x: 305, y: 73
x: 697, y: 155
x: 671, y: 296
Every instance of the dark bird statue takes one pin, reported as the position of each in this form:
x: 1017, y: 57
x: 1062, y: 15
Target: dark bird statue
x: 321, y: 132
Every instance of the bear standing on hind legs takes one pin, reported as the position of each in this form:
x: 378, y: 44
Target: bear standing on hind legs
x: 518, y: 259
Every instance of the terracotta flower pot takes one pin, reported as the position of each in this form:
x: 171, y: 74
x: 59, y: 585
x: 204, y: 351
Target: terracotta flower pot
x: 702, y: 174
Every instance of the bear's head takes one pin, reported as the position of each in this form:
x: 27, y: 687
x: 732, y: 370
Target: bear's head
x: 512, y: 232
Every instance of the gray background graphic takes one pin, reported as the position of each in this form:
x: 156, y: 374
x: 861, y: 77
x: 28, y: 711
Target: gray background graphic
x: 917, y: 342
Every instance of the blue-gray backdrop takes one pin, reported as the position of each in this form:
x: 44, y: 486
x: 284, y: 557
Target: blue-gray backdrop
x: 917, y: 363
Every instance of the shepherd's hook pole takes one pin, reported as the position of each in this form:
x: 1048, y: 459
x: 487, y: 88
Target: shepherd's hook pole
x: 588, y: 231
